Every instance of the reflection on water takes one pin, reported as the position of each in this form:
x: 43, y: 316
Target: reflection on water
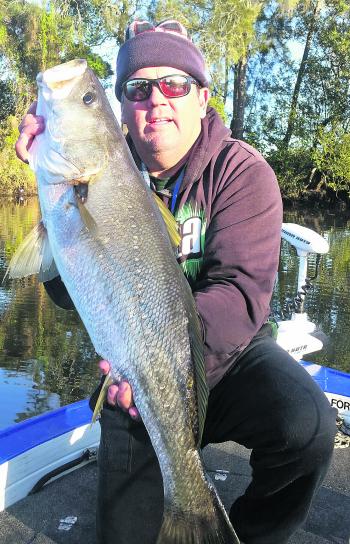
x: 327, y: 303
x: 46, y: 357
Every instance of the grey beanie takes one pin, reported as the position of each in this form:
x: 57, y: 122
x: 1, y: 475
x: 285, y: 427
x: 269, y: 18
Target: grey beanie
x: 159, y: 48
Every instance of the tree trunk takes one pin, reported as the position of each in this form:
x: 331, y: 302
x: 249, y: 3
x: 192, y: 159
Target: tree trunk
x: 300, y: 76
x: 227, y: 70
x: 239, y: 98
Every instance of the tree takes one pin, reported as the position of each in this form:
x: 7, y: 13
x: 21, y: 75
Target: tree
x: 223, y: 29
x: 33, y: 38
x: 311, y: 26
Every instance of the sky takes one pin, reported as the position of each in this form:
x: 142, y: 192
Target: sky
x: 108, y: 51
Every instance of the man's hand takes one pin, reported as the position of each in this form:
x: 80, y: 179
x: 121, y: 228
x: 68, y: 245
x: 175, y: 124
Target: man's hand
x: 30, y: 126
x: 120, y: 394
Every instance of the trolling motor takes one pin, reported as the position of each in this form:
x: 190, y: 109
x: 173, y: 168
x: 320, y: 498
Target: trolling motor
x: 294, y: 334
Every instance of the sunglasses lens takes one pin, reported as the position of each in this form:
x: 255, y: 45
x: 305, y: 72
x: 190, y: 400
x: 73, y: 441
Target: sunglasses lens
x: 137, y: 89
x: 174, y: 86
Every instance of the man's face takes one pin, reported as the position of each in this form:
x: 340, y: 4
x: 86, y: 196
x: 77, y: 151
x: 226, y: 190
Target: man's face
x: 164, y: 127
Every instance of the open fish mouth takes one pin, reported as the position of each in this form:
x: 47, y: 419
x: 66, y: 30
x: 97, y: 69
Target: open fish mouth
x: 60, y: 79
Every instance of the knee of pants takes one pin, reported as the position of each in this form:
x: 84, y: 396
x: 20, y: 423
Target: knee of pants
x: 308, y: 429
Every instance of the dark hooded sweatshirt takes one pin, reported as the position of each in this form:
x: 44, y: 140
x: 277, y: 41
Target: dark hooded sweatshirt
x: 230, y: 213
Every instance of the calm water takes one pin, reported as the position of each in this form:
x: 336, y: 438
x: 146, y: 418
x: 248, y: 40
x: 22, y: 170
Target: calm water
x: 47, y: 360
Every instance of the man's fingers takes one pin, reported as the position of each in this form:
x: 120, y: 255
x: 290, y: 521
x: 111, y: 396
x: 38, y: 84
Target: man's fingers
x: 120, y: 394
x: 22, y: 145
x: 32, y: 123
x: 134, y: 413
x: 112, y: 394
x: 104, y: 367
x: 125, y: 398
x: 28, y: 130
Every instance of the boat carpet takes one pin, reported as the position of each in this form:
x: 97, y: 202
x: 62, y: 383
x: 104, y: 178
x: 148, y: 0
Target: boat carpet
x: 37, y: 519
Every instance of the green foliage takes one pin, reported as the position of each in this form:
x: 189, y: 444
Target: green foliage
x: 217, y: 103
x: 101, y: 68
x: 332, y: 158
x: 3, y: 35
x: 36, y: 38
x: 32, y: 39
x: 98, y: 20
x: 7, y: 100
x: 292, y: 167
x: 14, y: 173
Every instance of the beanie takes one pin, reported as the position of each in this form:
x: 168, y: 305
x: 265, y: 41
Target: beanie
x: 165, y: 44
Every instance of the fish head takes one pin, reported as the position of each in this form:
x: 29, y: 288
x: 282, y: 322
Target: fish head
x: 74, y: 145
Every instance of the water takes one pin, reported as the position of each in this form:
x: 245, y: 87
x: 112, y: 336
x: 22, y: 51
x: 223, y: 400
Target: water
x: 46, y: 357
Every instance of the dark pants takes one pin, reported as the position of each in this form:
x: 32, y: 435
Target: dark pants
x: 268, y: 403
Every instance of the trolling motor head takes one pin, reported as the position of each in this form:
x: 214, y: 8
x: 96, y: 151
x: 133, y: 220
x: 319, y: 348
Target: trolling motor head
x: 303, y: 239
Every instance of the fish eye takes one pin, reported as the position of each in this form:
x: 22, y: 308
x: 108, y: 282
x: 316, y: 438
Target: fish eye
x: 89, y: 98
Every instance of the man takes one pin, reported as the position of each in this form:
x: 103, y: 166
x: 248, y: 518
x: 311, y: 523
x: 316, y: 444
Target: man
x: 226, y: 200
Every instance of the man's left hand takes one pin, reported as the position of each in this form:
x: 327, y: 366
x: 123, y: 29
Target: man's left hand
x: 120, y: 394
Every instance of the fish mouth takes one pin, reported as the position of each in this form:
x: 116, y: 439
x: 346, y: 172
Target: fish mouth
x: 60, y: 75
x: 58, y: 81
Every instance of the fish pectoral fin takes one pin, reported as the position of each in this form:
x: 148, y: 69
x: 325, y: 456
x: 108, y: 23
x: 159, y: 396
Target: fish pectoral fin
x: 169, y: 220
x: 87, y: 218
x: 33, y: 256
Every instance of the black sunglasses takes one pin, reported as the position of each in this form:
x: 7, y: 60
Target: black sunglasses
x: 173, y: 86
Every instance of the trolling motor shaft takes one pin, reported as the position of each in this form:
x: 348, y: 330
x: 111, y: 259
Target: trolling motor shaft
x: 294, y: 333
x: 305, y: 241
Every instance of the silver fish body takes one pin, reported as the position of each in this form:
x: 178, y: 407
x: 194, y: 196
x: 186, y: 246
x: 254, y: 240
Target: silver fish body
x: 128, y: 288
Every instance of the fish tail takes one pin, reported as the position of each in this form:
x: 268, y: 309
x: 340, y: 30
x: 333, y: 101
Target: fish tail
x: 182, y: 528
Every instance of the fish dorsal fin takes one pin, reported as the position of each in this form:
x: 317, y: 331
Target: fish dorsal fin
x: 33, y: 256
x: 169, y: 221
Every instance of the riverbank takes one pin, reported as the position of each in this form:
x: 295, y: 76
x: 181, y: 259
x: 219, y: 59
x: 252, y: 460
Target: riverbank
x: 322, y: 200
x: 315, y: 200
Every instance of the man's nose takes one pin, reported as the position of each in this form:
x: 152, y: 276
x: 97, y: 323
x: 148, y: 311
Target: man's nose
x: 157, y: 97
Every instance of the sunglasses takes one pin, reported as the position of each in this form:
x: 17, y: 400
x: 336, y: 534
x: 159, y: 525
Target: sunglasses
x: 173, y: 86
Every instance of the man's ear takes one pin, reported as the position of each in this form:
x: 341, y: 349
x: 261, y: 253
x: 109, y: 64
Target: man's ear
x: 203, y: 100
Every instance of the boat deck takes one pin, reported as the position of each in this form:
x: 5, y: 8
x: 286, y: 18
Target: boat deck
x: 36, y: 519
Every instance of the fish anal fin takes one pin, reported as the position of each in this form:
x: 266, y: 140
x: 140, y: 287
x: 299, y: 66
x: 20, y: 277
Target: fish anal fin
x: 101, y: 397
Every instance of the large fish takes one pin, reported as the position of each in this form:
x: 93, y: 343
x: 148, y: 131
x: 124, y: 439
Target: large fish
x: 115, y: 257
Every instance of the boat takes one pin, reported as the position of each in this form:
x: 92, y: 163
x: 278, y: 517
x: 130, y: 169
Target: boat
x: 48, y: 463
